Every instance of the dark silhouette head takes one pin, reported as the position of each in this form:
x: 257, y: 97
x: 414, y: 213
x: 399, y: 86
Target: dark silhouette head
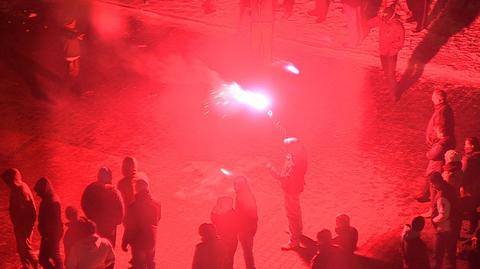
x: 207, y: 231
x: 87, y: 227
x: 439, y: 97
x: 44, y: 188
x: 342, y: 221
x: 71, y: 213
x: 471, y: 144
x: 324, y: 237
x: 12, y: 177
x: 142, y: 184
x: 104, y: 175
x: 129, y: 166
x: 418, y: 223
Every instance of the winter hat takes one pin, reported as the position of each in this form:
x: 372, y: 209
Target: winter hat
x: 452, y: 156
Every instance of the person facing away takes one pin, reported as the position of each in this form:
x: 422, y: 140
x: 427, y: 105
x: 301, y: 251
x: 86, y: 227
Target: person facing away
x: 292, y: 181
x: 347, y: 236
x: 22, y: 215
x: 141, y: 224
x: 209, y: 252
x: 414, y: 249
x: 73, y: 232
x: 225, y: 219
x: 445, y: 220
x: 49, y: 225
x: 102, y: 203
x: 127, y: 183
x: 328, y: 255
x: 471, y: 172
x: 246, y: 209
x: 91, y: 251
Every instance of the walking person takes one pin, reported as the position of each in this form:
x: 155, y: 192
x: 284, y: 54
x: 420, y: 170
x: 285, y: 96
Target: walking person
x: 141, y: 224
x: 102, y: 203
x: 91, y: 251
x: 49, y: 225
x: 262, y: 19
x: 471, y: 172
x: 246, y: 209
x: 441, y: 123
x: 391, y: 39
x: 226, y: 223
x: 22, y: 214
x: 414, y: 249
x: 292, y: 181
x: 209, y: 252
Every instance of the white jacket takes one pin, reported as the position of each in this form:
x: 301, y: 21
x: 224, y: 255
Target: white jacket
x: 92, y: 252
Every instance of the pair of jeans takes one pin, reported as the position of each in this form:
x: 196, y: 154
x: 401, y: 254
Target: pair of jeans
x: 23, y: 236
x: 50, y: 251
x: 294, y: 216
x: 245, y: 236
x: 143, y: 258
x: 445, y: 245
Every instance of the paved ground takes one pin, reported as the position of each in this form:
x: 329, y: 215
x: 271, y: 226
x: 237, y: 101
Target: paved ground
x: 149, y: 78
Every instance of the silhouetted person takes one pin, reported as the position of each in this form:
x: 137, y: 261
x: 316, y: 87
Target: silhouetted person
x: 262, y: 18
x: 321, y: 10
x: 49, y: 225
x: 391, y: 39
x: 22, y: 214
x: 103, y: 204
x: 127, y: 183
x: 445, y: 219
x: 141, y: 223
x: 73, y: 232
x: 72, y: 53
x: 226, y: 223
x: 91, y: 251
x: 347, y: 236
x: 471, y: 171
x: 419, y: 9
x: 292, y: 181
x: 328, y: 256
x: 442, y: 122
x: 414, y: 250
x: 246, y: 209
x: 209, y: 252
x: 473, y: 257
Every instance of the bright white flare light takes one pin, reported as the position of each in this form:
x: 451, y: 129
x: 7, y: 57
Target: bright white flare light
x: 292, y: 68
x: 225, y: 172
x: 252, y: 99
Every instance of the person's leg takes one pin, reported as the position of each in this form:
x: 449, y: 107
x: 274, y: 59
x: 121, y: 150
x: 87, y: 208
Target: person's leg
x: 439, y: 250
x: 139, y: 258
x: 44, y: 256
x: 451, y: 249
x: 55, y: 254
x: 246, y: 240
x: 230, y: 249
x: 27, y: 255
x: 150, y: 256
x: 294, y: 216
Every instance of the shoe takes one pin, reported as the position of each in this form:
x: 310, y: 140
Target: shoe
x: 289, y: 246
x: 422, y: 199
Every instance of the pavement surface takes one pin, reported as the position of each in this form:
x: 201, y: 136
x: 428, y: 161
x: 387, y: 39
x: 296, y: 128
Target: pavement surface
x: 146, y: 80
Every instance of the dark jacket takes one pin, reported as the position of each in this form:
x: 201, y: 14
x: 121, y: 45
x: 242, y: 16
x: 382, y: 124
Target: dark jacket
x: 208, y: 255
x: 471, y: 172
x: 22, y: 205
x: 246, y: 208
x: 49, y: 217
x: 141, y: 222
x: 226, y: 225
x: 414, y: 250
x: 346, y: 239
x: 103, y: 204
x: 442, y: 117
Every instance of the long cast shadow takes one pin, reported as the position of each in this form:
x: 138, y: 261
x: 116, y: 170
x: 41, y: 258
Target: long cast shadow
x: 455, y: 16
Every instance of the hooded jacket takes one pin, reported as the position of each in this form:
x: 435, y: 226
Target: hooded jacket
x: 414, y: 250
x: 141, y: 222
x: 49, y: 217
x: 103, y: 204
x: 22, y: 205
x: 92, y: 252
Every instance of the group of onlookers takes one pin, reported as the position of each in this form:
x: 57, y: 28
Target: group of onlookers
x: 88, y: 241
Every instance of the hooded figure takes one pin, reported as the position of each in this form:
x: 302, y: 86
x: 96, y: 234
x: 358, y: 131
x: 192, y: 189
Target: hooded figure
x: 22, y: 214
x: 103, y: 204
x: 246, y: 209
x: 208, y: 253
x: 127, y: 183
x: 141, y: 223
x: 91, y: 251
x: 49, y: 225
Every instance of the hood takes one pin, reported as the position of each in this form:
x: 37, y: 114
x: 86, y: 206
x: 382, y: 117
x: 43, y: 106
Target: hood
x: 408, y: 233
x: 129, y: 166
x: 12, y: 177
x: 44, y: 188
